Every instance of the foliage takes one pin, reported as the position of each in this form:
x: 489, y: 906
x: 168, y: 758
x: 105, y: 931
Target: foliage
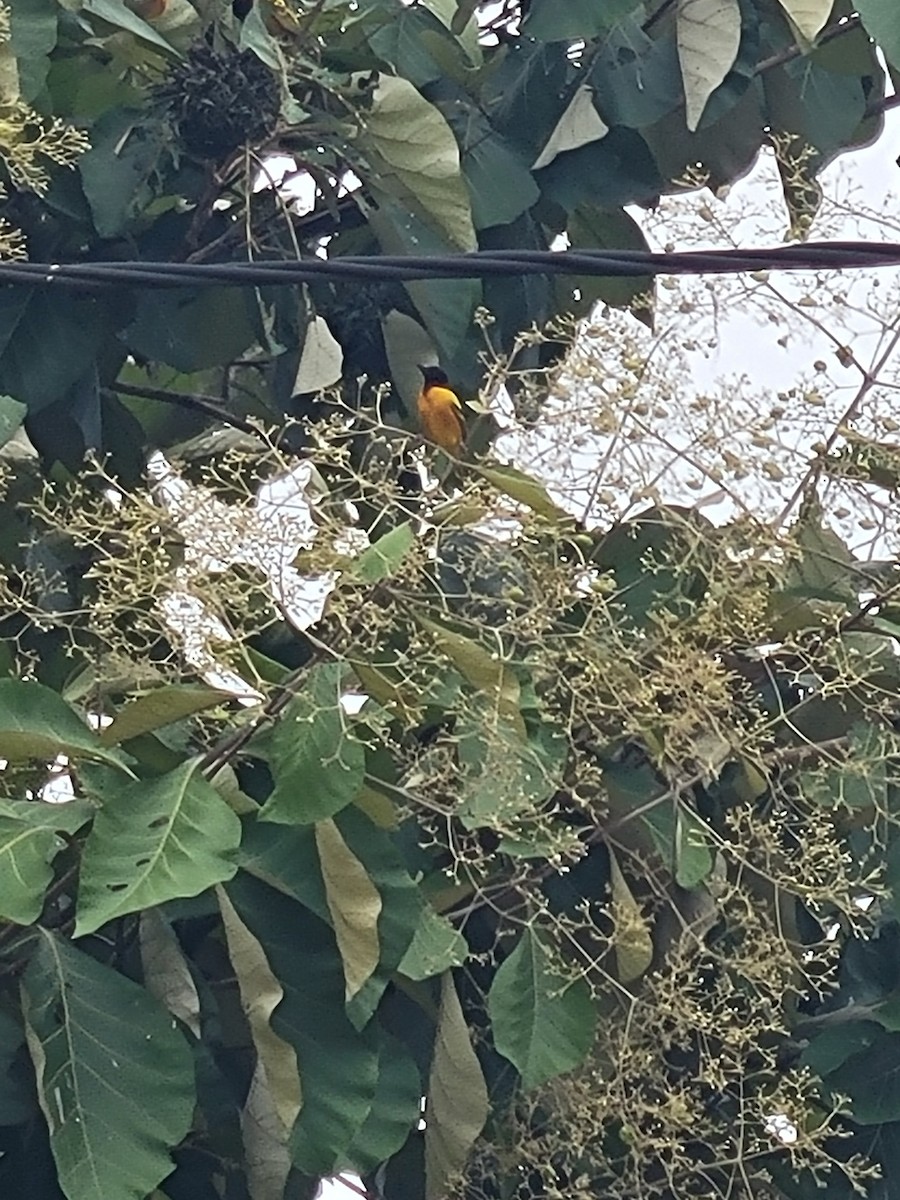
x: 580, y: 827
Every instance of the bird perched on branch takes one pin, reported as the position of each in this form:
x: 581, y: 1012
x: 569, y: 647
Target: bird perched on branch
x: 440, y: 411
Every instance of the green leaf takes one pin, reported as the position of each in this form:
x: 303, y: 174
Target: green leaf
x: 152, y: 841
x: 191, y: 330
x: 879, y: 17
x: 338, y: 1065
x: 167, y: 976
x: 288, y: 859
x: 808, y: 15
x: 501, y: 186
x: 446, y: 306
x: 544, y: 1024
x: 32, y: 37
x: 12, y: 414
x: 116, y: 172
x: 504, y: 778
x: 613, y: 171
x: 659, y: 561
x: 871, y: 1078
x: 414, y: 157
x: 435, y: 948
x: 384, y: 558
x: 317, y: 764
x: 681, y: 840
x: 35, y: 722
x: 457, y: 1097
x: 488, y: 673
x: 636, y: 78
x: 824, y: 568
x: 48, y: 341
x: 550, y: 21
x: 592, y: 228
x: 526, y: 490
x: 354, y: 904
x: 163, y: 706
x: 579, y: 125
x: 396, y: 1106
x: 29, y: 841
x: 115, y: 1077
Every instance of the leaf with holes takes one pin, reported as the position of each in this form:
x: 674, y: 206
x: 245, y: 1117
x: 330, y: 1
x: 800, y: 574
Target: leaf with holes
x: 115, y: 1077
x: 153, y: 841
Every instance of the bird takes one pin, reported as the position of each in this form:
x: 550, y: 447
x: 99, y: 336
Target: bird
x: 440, y: 411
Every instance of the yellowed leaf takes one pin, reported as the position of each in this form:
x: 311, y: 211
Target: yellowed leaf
x: 354, y: 904
x: 457, y: 1099
x: 166, y: 973
x: 261, y: 993
x: 809, y: 16
x: 579, y: 125
x: 708, y: 33
x: 632, y: 942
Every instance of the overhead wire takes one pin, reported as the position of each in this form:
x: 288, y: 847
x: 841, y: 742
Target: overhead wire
x: 809, y: 256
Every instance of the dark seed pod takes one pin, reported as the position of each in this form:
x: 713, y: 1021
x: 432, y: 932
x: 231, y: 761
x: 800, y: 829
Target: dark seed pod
x: 217, y: 100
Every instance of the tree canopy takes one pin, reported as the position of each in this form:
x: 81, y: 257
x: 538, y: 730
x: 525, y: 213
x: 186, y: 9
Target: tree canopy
x: 390, y: 779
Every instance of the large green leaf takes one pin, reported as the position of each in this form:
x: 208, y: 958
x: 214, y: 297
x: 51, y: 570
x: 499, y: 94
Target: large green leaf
x: 446, y: 306
x: 550, y: 21
x: 396, y: 1107
x: 115, y: 1077
x: 881, y: 21
x: 158, y: 708
x: 414, y: 157
x: 290, y: 860
x: 32, y: 35
x: 708, y: 33
x: 338, y: 1065
x: 116, y: 172
x: 871, y: 1078
x: 35, y: 722
x: 48, y: 341
x: 457, y: 1096
x: 261, y: 993
x: 29, y: 841
x: 636, y: 78
x: 152, y: 841
x: 317, y: 763
x: 191, y: 330
x: 592, y: 228
x: 543, y: 1023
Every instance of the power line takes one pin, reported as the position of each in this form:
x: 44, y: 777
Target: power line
x: 811, y: 256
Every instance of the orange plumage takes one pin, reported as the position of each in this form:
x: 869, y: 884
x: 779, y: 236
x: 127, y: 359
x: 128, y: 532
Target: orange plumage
x: 440, y: 411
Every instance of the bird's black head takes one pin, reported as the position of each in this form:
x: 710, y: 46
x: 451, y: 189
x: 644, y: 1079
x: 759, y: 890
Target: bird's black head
x: 434, y: 375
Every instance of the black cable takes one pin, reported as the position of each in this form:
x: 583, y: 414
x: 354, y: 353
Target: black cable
x: 812, y: 256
